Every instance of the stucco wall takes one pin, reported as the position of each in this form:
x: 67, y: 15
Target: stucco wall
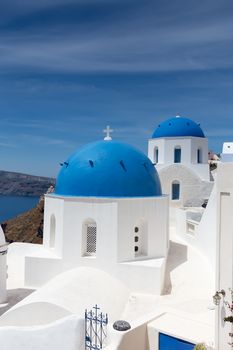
x: 67, y: 333
x: 136, y: 339
x: 224, y: 278
x: 205, y: 233
x: 79, y: 289
x: 54, y: 207
x: 154, y: 213
x: 115, y: 220
x: 38, y: 313
x: 189, y: 147
x: 193, y: 191
x: 178, y: 326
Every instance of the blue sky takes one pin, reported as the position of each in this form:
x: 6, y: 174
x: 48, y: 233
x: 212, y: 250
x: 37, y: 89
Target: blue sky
x: 70, y: 67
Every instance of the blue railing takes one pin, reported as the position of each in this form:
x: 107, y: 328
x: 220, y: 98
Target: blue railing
x: 95, y: 329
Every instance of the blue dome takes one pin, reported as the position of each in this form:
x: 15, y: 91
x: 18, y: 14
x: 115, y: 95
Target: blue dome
x: 108, y: 169
x: 178, y: 126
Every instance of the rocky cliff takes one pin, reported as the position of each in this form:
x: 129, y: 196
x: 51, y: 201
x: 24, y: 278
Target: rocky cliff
x: 27, y: 227
x: 18, y: 184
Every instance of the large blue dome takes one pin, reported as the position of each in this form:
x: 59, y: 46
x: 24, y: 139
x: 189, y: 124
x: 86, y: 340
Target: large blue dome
x: 108, y: 169
x: 178, y: 126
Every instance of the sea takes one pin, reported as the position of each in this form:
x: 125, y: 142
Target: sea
x: 11, y: 206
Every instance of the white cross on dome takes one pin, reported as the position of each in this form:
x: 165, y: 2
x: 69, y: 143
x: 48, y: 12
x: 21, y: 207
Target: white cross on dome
x: 108, y: 131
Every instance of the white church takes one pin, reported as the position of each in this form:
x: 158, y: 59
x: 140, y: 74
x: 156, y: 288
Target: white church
x: 147, y: 239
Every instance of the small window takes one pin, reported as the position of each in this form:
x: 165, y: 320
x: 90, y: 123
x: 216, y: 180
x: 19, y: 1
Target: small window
x: 177, y: 155
x: 175, y: 190
x: 52, y: 232
x: 89, y: 238
x: 199, y: 156
x: 140, y: 237
x: 156, y: 155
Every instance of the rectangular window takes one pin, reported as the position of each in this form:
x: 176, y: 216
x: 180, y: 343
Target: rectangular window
x: 156, y: 155
x: 199, y: 156
x: 91, y: 239
x: 175, y: 191
x: 177, y: 155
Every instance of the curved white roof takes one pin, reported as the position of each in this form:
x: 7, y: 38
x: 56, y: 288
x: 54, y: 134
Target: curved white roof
x: 79, y: 289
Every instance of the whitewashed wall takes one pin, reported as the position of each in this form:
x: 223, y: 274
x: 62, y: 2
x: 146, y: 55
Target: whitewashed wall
x: 54, y: 207
x: 67, y: 333
x: 34, y: 314
x: 193, y: 191
x: 154, y: 212
x: 204, y: 237
x: 227, y: 152
x: 227, y: 147
x: 189, y: 147
x: 224, y: 276
x: 115, y: 219
x: 73, y: 291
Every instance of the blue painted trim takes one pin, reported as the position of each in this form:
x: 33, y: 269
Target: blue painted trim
x: 167, y: 342
x: 102, y: 197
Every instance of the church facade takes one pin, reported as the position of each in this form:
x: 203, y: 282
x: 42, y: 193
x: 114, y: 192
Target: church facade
x: 107, y: 212
x: 130, y: 233
x: 179, y: 150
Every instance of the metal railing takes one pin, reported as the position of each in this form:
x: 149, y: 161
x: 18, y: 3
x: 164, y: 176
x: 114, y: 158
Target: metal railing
x: 95, y: 329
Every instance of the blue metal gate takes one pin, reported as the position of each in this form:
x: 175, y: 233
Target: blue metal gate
x: 167, y: 342
x: 95, y: 329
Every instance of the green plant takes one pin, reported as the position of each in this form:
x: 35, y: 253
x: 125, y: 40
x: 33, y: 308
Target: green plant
x: 200, y: 346
x: 228, y: 319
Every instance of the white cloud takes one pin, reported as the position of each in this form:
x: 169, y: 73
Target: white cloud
x: 147, y: 42
x: 163, y: 50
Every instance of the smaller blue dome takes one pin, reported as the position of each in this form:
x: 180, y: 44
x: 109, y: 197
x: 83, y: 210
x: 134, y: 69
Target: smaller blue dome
x: 108, y: 169
x: 177, y: 127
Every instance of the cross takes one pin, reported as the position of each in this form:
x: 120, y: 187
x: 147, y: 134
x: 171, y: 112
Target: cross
x: 96, y: 308
x: 108, y: 130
